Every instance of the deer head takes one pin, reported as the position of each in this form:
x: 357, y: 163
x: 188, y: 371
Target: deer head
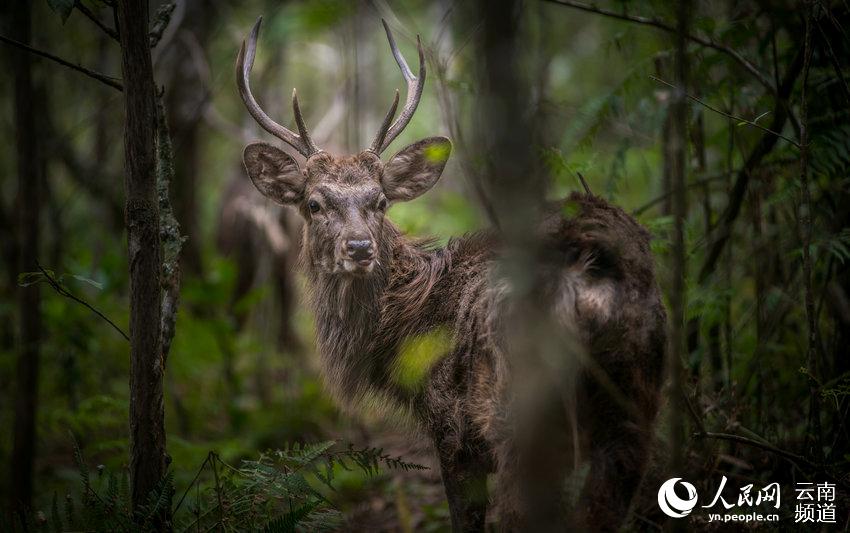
x: 343, y: 199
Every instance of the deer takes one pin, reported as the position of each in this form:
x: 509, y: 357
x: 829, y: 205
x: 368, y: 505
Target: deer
x: 372, y: 289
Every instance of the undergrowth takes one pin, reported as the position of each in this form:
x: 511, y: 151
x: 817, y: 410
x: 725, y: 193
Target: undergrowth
x: 285, y: 490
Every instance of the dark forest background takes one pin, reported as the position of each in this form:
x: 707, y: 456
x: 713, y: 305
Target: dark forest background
x: 724, y: 127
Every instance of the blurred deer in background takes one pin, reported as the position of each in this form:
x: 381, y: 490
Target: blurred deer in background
x: 373, y: 291
x: 262, y: 238
x: 258, y: 237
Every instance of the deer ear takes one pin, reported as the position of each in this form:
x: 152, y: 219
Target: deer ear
x: 274, y: 173
x: 416, y: 168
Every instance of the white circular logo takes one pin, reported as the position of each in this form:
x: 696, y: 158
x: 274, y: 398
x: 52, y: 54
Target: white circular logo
x: 673, y: 505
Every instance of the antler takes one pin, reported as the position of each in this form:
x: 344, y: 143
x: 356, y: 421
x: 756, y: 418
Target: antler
x: 303, y: 143
x: 415, y: 84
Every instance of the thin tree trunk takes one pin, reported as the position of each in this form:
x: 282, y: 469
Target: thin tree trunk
x: 29, y: 200
x: 147, y: 431
x: 805, y: 221
x: 694, y: 335
x: 760, y: 268
x: 727, y: 260
x: 678, y: 142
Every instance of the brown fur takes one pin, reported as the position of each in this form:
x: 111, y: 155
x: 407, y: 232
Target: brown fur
x: 598, y: 279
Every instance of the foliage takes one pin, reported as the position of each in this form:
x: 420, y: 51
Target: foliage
x: 278, y: 492
x: 232, y: 387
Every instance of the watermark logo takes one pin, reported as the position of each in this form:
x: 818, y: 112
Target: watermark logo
x: 670, y: 502
x: 815, y: 502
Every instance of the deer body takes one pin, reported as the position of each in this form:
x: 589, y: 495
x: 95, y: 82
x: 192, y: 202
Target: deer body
x: 373, y: 290
x: 363, y: 322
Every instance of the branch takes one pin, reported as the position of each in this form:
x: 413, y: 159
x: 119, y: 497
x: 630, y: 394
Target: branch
x: 766, y: 446
x: 112, y: 82
x: 94, y: 179
x: 663, y: 26
x: 727, y: 115
x: 697, y: 183
x: 91, y: 16
x: 64, y: 292
x: 757, y: 444
x: 739, y: 188
x: 836, y: 65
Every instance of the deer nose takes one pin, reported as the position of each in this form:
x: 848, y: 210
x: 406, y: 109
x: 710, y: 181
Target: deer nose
x: 359, y: 250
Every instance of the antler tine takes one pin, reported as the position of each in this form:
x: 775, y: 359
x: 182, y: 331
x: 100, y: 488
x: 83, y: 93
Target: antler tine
x: 415, y: 85
x: 378, y: 143
x: 244, y: 63
x: 302, y: 128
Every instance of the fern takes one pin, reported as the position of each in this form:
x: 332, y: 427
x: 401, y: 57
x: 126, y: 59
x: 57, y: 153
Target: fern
x: 288, y: 522
x: 838, y: 245
x: 82, y: 468
x: 158, y: 500
x: 273, y: 493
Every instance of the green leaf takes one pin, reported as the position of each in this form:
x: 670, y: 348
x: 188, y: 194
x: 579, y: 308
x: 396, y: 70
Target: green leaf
x: 289, y: 521
x: 84, y: 279
x: 755, y: 120
x: 62, y: 8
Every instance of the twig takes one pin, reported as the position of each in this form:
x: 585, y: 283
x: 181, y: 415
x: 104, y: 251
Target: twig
x: 697, y: 183
x: 112, y: 82
x: 793, y: 457
x: 218, y: 490
x: 81, y: 7
x: 64, y: 292
x: 727, y: 115
x: 742, y: 179
x: 836, y: 65
x: 584, y: 183
x: 191, y: 483
x: 756, y: 444
x: 658, y: 199
x: 655, y: 23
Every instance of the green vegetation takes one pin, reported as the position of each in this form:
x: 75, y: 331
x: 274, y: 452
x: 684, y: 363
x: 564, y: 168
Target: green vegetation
x: 767, y: 241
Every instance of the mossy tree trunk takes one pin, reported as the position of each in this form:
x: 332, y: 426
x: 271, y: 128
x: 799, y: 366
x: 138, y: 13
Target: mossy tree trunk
x: 147, y: 431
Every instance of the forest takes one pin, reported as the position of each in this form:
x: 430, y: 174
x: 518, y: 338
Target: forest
x: 171, y: 360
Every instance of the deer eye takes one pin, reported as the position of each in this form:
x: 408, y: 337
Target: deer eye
x: 314, y: 206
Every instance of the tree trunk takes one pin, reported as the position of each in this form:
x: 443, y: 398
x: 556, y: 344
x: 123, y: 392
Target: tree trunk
x: 814, y: 436
x: 26, y: 397
x: 678, y: 178
x: 515, y: 182
x: 147, y: 431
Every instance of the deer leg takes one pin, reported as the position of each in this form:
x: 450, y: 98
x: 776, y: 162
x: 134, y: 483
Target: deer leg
x: 620, y: 451
x: 465, y: 480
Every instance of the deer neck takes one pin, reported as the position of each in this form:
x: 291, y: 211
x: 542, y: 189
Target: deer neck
x: 361, y: 322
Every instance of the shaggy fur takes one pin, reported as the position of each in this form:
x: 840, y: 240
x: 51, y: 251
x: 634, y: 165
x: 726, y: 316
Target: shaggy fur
x: 598, y: 279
